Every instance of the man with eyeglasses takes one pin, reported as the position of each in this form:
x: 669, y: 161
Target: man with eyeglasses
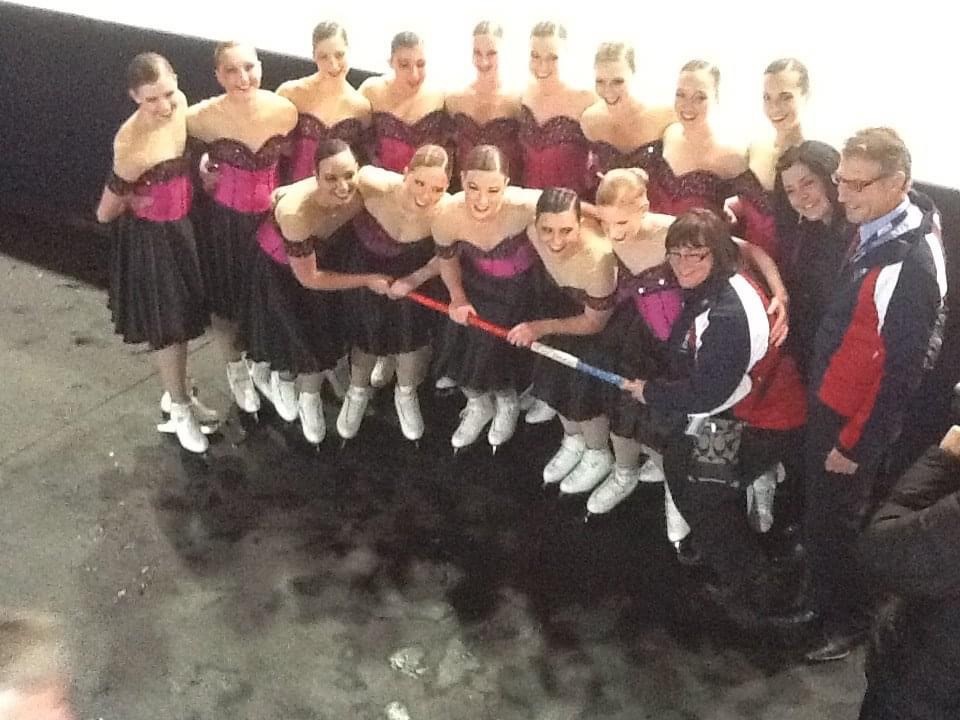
x: 878, y: 333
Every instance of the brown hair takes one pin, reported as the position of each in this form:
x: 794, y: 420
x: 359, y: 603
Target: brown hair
x: 558, y: 200
x: 327, y: 149
x: 488, y: 27
x: 405, y: 39
x: 222, y: 47
x: 882, y: 145
x: 786, y: 64
x: 146, y: 68
x: 31, y: 651
x: 820, y: 159
x: 326, y: 30
x: 701, y: 228
x: 613, y: 51
x: 548, y: 28
x: 430, y: 156
x: 622, y: 185
x: 695, y: 65
x: 487, y: 158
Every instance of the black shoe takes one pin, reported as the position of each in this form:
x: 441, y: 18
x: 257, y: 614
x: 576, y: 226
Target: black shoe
x: 688, y: 554
x: 835, y: 647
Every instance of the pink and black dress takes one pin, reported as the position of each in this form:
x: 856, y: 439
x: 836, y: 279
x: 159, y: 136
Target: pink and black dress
x: 756, y: 213
x: 231, y: 216
x: 574, y: 395
x: 674, y: 194
x: 156, y: 289
x: 283, y: 323
x: 502, y: 285
x: 555, y: 153
x: 393, y: 142
x: 501, y: 132
x: 634, y: 344
x: 379, y: 325
x: 605, y: 157
x: 310, y: 132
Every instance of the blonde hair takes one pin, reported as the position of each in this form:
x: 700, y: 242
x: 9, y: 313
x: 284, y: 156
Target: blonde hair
x: 548, y: 28
x: 430, y: 156
x: 613, y: 51
x: 31, y: 651
x: 623, y: 185
x: 488, y: 27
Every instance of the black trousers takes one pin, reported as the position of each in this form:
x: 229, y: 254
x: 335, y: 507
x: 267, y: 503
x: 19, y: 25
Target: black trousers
x: 836, y: 508
x: 760, y: 451
x: 711, y: 498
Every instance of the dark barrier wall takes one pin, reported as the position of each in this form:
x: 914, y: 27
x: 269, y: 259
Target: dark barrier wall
x: 62, y: 85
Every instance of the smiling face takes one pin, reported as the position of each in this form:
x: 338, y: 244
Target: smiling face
x: 545, y: 57
x: 865, y: 192
x: 158, y: 100
x: 695, y: 97
x: 483, y: 192
x: 807, y: 193
x: 783, y: 100
x: 691, y: 265
x: 409, y: 67
x: 424, y: 186
x: 331, y: 57
x: 337, y: 179
x: 486, y: 54
x: 621, y: 221
x: 612, y: 80
x: 558, y: 231
x: 239, y: 71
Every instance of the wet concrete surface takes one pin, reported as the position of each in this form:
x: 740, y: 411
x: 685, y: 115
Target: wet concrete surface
x: 381, y: 580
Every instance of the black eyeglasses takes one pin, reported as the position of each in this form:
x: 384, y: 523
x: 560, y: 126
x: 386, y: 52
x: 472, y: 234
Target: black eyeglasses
x: 855, y: 185
x: 691, y: 257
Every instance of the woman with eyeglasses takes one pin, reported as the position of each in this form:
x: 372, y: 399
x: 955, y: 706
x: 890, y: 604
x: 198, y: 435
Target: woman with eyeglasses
x: 726, y: 385
x: 633, y: 344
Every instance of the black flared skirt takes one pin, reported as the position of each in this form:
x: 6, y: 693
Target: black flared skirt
x: 629, y: 348
x: 293, y: 328
x: 476, y: 359
x: 156, y: 290
x: 379, y: 325
x: 226, y: 246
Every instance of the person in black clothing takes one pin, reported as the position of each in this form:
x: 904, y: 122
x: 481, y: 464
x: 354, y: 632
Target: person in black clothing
x: 816, y: 239
x: 912, y: 548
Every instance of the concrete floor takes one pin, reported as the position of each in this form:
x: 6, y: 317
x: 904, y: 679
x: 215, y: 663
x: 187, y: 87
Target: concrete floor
x: 380, y: 581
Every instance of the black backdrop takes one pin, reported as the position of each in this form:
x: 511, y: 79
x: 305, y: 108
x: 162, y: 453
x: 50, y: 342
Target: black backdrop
x: 62, y: 81
x: 63, y: 95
